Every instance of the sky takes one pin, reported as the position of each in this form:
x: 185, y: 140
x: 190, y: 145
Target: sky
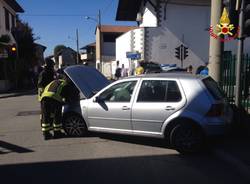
x: 55, y: 22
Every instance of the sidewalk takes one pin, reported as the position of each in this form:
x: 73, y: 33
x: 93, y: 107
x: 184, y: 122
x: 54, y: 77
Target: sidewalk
x: 17, y: 93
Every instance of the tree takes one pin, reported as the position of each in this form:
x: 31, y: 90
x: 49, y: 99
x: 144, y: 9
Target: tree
x: 57, y: 50
x: 26, y: 50
x: 24, y: 37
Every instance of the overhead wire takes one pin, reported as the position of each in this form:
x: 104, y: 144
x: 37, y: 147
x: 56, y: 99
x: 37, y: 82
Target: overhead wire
x: 55, y: 15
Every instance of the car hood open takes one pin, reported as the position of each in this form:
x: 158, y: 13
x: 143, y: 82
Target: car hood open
x: 87, y: 79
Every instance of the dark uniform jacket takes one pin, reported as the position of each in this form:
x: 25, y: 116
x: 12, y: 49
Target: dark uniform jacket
x: 45, y: 77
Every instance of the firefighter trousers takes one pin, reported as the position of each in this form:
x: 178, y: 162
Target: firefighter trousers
x: 51, y: 111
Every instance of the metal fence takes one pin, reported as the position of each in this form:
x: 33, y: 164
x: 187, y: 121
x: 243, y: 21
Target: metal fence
x: 228, y: 78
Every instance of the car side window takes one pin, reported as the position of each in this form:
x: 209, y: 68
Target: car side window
x: 159, y: 91
x: 173, y: 92
x: 121, y: 92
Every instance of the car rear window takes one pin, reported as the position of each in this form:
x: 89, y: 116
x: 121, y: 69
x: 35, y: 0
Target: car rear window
x: 213, y: 88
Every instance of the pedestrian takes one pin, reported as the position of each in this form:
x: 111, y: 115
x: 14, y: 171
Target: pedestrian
x: 190, y: 69
x: 117, y: 71
x: 55, y: 94
x: 124, y: 71
x: 46, y: 76
x: 139, y: 69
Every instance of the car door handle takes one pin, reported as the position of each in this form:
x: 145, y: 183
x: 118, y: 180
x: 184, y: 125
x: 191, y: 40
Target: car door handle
x: 169, y: 108
x: 125, y: 108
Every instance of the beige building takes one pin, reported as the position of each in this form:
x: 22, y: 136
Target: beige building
x: 106, y: 47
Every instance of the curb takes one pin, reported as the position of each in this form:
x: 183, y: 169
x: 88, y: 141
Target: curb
x: 233, y: 161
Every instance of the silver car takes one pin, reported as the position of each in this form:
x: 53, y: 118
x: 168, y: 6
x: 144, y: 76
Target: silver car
x: 182, y: 108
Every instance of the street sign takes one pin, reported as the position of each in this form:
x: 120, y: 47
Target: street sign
x: 133, y: 55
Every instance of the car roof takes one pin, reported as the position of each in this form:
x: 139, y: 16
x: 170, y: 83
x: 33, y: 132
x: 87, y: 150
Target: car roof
x: 173, y: 75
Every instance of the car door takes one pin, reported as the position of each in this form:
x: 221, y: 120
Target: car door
x: 112, y: 109
x: 156, y: 101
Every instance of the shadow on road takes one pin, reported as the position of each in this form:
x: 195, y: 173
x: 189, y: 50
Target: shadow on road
x: 148, y: 141
x: 6, y: 147
x: 139, y: 169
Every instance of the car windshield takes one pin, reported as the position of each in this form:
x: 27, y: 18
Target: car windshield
x: 213, y: 88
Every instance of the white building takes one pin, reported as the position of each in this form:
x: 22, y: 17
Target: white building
x: 165, y: 25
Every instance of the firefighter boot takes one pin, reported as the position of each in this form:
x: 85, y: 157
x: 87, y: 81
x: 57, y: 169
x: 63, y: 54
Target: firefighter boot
x: 47, y: 135
x: 58, y: 134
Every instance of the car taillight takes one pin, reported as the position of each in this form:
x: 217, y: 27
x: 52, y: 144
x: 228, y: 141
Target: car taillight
x: 216, y: 110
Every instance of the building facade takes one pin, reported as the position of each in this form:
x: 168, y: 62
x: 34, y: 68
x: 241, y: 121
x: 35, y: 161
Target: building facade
x: 88, y: 54
x: 106, y: 46
x: 169, y: 25
x: 8, y: 13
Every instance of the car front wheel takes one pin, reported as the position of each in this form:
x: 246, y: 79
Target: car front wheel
x: 186, y: 138
x: 74, y: 125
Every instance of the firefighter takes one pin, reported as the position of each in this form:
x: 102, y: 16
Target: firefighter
x: 46, y: 76
x: 139, y: 69
x: 53, y: 97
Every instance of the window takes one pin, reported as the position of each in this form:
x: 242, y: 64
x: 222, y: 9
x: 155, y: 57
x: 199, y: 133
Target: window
x: 159, y: 91
x: 121, y: 92
x: 173, y: 92
x: 7, y: 19
x: 213, y: 88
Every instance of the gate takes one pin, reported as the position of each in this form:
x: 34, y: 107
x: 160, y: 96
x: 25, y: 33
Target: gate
x: 228, y: 78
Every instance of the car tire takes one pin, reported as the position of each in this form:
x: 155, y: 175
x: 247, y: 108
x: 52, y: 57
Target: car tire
x: 74, y: 125
x: 186, y: 138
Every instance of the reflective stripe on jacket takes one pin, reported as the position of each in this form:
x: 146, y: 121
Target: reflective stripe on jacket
x: 40, y: 92
x: 54, y: 90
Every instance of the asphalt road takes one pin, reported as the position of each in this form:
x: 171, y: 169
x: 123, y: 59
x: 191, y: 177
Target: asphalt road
x: 99, y: 158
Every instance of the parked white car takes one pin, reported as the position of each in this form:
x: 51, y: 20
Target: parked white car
x: 180, y: 107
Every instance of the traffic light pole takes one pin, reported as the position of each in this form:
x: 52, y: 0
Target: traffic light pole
x: 238, y: 95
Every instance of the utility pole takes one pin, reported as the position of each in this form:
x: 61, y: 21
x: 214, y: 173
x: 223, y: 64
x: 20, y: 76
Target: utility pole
x: 215, y: 47
x: 77, y: 46
x: 100, y: 39
x: 239, y: 54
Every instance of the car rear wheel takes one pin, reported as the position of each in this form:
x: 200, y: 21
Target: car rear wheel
x: 186, y: 138
x: 74, y: 125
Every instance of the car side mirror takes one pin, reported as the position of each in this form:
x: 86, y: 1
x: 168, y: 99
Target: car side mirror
x: 98, y: 99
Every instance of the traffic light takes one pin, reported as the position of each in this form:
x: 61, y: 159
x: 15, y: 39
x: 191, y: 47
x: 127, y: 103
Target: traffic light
x: 233, y: 16
x: 234, y: 12
x: 178, y: 52
x: 246, y: 24
x: 185, y: 52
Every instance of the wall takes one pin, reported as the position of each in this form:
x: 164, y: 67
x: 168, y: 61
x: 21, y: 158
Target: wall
x: 181, y: 22
x: 132, y: 41
x: 149, y: 17
x: 2, y: 19
x: 108, y: 49
x: 180, y: 26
